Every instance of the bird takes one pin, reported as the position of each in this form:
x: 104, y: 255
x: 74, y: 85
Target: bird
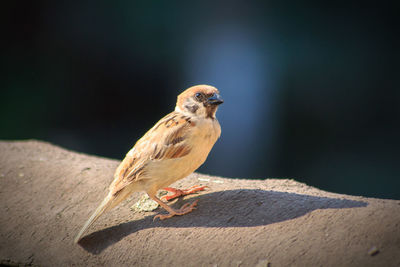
x: 172, y: 149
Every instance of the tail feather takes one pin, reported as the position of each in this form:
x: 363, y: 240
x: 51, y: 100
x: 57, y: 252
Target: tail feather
x: 108, y: 203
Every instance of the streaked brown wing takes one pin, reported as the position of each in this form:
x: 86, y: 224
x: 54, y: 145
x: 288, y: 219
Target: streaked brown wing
x: 166, y: 140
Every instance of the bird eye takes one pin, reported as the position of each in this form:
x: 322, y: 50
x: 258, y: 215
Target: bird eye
x: 198, y: 96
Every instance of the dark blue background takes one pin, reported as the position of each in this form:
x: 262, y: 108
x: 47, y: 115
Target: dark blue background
x: 311, y: 89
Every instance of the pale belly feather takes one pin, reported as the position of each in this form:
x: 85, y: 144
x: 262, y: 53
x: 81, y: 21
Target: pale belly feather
x: 172, y: 170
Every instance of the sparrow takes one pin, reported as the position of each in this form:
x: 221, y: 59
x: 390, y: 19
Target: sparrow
x: 175, y: 147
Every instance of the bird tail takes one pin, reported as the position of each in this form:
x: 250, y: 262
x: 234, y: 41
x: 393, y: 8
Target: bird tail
x: 108, y: 203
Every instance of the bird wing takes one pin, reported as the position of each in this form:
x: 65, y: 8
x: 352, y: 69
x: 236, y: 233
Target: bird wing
x: 166, y: 140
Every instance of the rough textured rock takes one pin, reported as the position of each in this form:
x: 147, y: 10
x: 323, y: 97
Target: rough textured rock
x: 47, y: 193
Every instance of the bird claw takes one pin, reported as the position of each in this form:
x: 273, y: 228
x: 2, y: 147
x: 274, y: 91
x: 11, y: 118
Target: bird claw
x: 188, y: 207
x: 181, y: 192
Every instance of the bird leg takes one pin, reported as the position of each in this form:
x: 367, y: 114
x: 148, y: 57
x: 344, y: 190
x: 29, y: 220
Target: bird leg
x: 181, y: 192
x: 188, y: 207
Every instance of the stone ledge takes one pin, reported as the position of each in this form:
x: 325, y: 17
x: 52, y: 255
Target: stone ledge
x: 47, y: 193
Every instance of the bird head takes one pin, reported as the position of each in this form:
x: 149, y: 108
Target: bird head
x: 199, y: 100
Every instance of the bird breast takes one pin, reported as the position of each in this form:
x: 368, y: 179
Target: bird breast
x: 201, y: 139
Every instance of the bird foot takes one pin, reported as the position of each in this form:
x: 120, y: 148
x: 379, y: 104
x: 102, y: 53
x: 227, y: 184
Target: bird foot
x: 188, y: 207
x: 181, y: 192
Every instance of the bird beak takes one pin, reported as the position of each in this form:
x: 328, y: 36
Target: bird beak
x: 215, y: 99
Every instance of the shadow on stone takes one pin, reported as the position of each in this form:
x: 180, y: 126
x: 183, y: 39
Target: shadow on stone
x: 231, y: 208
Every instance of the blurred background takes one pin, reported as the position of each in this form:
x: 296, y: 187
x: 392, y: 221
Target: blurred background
x: 311, y: 90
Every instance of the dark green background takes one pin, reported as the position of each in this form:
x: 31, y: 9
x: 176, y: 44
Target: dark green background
x: 311, y: 89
